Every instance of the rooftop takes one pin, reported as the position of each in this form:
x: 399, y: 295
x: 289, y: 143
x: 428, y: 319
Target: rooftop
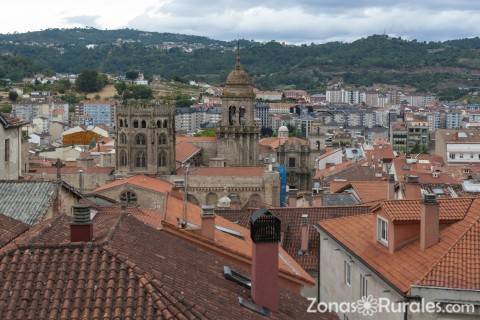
x: 451, y: 263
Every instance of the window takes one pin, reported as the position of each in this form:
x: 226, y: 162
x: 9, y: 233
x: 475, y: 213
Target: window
x: 135, y: 123
x: 140, y: 139
x: 291, y: 162
x: 461, y: 155
x: 144, y: 124
x: 123, y: 158
x: 159, y: 124
x: 162, y: 159
x: 165, y: 123
x: 382, y: 230
x: 7, y: 150
x: 452, y: 156
x: 128, y: 197
x: 363, y: 286
x: 162, y: 139
x: 140, y: 160
x: 123, y: 138
x: 120, y: 123
x: 347, y: 273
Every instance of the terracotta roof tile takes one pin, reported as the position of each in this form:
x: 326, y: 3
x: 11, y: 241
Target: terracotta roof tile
x: 185, y: 150
x: 443, y: 264
x: 10, y: 229
x: 140, y: 181
x: 227, y: 171
x: 291, y: 224
x: 9, y: 121
x: 409, y: 210
x: 367, y: 191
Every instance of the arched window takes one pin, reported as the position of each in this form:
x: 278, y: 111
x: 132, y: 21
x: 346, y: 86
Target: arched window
x: 123, y: 158
x: 231, y: 114
x: 128, y: 197
x: 123, y: 138
x: 162, y: 139
x: 120, y: 123
x: 159, y: 124
x: 126, y: 123
x: 135, y: 123
x: 241, y: 115
x: 165, y: 123
x: 140, y: 139
x: 144, y: 124
x: 162, y: 159
x: 140, y: 160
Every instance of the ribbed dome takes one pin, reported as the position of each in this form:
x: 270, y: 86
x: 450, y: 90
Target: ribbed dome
x: 238, y: 76
x: 283, y: 129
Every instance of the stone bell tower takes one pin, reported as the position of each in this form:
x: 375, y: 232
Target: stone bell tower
x: 237, y: 132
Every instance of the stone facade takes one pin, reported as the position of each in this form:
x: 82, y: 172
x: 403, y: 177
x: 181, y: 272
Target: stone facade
x: 145, y: 138
x: 13, y: 150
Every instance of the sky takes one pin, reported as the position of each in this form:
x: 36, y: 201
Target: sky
x: 293, y: 21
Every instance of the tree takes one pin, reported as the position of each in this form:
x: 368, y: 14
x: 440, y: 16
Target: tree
x: 13, y: 96
x: 131, y: 75
x: 206, y: 133
x: 63, y: 85
x: 120, y: 87
x: 90, y: 81
x: 266, y: 132
x: 183, y: 101
x: 135, y: 91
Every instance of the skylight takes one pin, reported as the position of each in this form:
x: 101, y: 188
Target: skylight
x: 230, y: 232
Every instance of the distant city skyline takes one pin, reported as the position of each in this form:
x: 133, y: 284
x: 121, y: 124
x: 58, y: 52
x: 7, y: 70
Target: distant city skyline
x: 300, y: 21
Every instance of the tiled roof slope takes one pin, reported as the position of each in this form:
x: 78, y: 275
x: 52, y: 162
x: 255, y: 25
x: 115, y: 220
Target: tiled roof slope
x: 10, y: 229
x: 187, y: 280
x: 443, y: 264
x: 81, y: 282
x: 140, y: 181
x: 26, y: 201
x: 367, y: 191
x: 409, y: 210
x: 291, y: 224
x: 9, y: 121
x: 460, y: 266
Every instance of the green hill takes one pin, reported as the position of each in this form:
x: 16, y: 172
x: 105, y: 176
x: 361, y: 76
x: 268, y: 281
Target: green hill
x: 432, y: 66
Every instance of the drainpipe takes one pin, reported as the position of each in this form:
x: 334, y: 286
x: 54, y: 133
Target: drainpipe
x: 318, y: 260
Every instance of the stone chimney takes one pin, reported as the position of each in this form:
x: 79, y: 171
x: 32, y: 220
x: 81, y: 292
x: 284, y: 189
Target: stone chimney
x: 292, y: 198
x: 429, y: 222
x: 208, y: 222
x: 81, y: 228
x: 265, y: 231
x: 304, y: 233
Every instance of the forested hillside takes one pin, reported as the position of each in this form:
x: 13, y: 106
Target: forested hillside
x: 432, y: 66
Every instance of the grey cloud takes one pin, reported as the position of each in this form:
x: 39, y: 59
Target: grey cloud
x: 314, y: 21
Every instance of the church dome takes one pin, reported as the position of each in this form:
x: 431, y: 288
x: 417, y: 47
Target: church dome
x: 283, y: 129
x: 283, y: 132
x: 238, y: 76
x: 238, y: 82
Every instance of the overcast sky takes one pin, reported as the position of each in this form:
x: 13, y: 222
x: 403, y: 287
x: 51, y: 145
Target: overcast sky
x: 294, y: 21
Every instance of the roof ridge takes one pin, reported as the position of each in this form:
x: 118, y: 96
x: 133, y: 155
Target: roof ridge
x: 460, y: 237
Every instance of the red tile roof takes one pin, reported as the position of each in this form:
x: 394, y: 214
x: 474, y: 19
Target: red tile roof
x: 10, y: 229
x: 9, y: 121
x: 73, y: 170
x: 447, y: 263
x: 275, y: 142
x: 185, y: 150
x: 367, y: 191
x: 131, y: 269
x: 409, y: 210
x: 291, y: 224
x: 140, y: 181
x: 195, y: 139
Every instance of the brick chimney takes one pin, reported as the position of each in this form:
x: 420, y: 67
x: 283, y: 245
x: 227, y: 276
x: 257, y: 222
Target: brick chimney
x: 292, y: 198
x: 429, y: 222
x: 208, y: 222
x: 265, y: 231
x: 304, y: 233
x: 81, y: 228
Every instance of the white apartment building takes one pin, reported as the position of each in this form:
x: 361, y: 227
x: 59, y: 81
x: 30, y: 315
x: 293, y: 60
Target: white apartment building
x: 458, y: 146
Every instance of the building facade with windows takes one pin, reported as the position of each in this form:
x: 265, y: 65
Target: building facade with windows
x: 13, y: 148
x: 145, y: 138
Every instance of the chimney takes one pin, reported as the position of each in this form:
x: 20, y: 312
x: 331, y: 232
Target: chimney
x: 81, y: 180
x: 81, y: 228
x: 265, y: 231
x: 292, y: 198
x: 208, y: 222
x: 391, y: 187
x: 429, y: 222
x: 304, y: 234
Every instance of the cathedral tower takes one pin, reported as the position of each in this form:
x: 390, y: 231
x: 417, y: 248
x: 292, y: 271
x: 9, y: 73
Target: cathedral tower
x: 237, y: 131
x: 145, y: 138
